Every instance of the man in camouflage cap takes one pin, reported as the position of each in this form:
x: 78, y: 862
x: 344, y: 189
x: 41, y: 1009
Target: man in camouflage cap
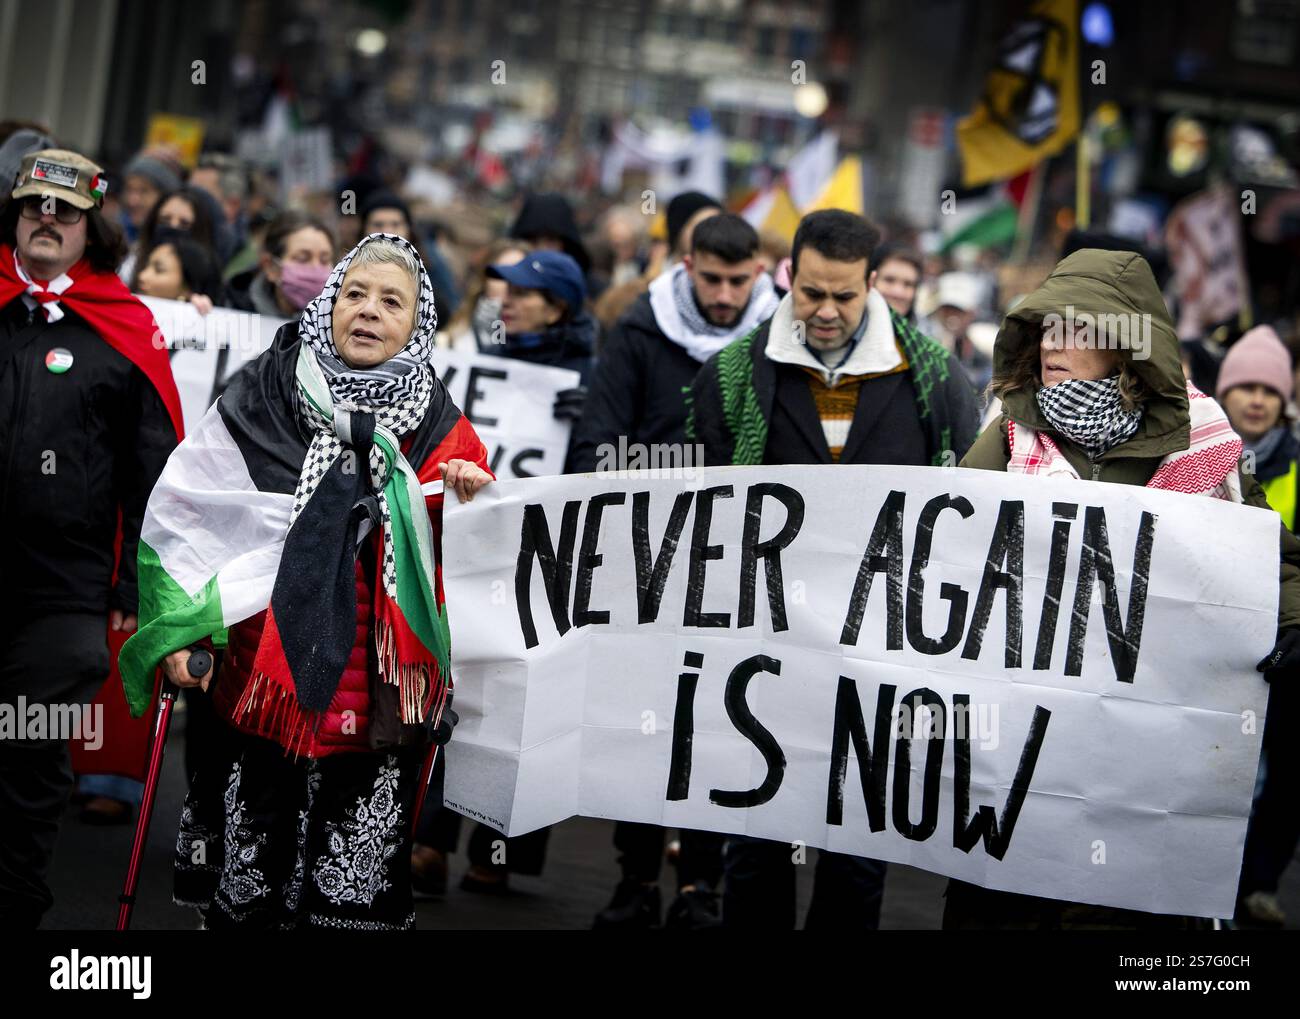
x: 88, y: 416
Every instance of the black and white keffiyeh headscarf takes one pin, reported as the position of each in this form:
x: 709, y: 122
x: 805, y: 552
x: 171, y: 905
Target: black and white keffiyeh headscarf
x: 1090, y: 413
x: 337, y: 402
x: 391, y: 390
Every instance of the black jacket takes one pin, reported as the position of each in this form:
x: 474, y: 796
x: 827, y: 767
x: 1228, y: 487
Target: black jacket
x: 748, y: 409
x: 74, y: 447
x: 571, y: 345
x: 637, y: 389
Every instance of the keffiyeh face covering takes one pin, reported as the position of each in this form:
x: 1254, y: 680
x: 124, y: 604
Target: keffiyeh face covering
x: 1090, y: 413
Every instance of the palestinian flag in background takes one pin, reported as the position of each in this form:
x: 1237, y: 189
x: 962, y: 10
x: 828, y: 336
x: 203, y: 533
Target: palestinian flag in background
x: 216, y: 533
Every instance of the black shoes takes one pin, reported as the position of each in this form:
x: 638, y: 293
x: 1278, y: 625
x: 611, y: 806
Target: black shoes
x: 695, y: 910
x: 635, y: 906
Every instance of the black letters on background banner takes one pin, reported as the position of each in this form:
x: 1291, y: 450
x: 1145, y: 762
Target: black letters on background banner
x: 473, y: 394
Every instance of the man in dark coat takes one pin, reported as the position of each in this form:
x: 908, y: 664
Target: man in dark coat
x: 88, y: 416
x: 649, y: 359
x: 835, y: 376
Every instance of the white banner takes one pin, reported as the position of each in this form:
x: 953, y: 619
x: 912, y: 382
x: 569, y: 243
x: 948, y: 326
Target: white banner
x: 511, y: 405
x: 207, y: 350
x: 1035, y: 685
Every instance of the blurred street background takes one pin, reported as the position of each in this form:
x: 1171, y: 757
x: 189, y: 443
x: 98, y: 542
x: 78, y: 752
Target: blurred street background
x: 464, y: 106
x: 986, y: 138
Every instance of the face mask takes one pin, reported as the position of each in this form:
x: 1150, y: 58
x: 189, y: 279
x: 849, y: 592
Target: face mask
x: 300, y: 283
x: 169, y: 233
x: 487, y: 313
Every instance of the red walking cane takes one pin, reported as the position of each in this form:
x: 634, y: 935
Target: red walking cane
x: 198, y: 665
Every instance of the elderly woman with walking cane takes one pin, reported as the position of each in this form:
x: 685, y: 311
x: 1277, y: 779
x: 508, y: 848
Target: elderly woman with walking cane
x: 299, y: 527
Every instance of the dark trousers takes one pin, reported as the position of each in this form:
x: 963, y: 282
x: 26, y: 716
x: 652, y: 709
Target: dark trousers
x: 202, y: 727
x: 1275, y: 819
x: 760, y: 891
x: 56, y: 661
x: 641, y: 849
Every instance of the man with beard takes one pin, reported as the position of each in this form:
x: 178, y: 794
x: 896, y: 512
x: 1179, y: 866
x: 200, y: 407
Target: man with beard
x: 835, y: 376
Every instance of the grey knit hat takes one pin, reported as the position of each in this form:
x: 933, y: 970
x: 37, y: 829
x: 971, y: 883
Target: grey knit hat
x: 163, y: 176
x: 19, y: 144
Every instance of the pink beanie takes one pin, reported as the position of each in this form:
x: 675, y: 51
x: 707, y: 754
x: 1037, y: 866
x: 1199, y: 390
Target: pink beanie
x: 1258, y: 357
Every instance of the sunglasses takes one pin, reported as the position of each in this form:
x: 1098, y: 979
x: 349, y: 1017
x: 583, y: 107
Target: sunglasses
x: 34, y: 207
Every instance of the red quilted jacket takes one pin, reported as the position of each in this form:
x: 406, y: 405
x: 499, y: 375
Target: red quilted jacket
x: 345, y: 726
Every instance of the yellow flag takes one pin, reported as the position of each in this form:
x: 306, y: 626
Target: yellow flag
x: 782, y: 217
x: 1030, y: 106
x: 184, y: 134
x: 843, y: 190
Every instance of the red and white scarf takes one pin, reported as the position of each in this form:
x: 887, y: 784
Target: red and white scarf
x: 1207, y: 467
x: 47, y: 292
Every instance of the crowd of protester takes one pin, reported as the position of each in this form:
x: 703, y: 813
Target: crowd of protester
x: 840, y: 333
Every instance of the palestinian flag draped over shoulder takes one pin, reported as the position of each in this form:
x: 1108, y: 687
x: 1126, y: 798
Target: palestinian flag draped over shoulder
x: 216, y: 546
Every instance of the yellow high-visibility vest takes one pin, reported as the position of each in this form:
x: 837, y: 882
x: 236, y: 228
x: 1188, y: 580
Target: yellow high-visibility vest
x: 1280, y: 492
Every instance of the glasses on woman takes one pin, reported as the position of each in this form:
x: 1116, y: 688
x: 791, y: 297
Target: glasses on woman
x: 34, y: 207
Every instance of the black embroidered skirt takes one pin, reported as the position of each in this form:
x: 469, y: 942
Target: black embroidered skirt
x: 267, y: 841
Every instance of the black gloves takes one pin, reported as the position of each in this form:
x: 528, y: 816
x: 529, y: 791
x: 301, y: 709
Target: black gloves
x: 1285, y: 656
x: 569, y: 403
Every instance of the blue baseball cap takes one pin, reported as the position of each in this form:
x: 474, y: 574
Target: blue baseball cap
x: 556, y: 273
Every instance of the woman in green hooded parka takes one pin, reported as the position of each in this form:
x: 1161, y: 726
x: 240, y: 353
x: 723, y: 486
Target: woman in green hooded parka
x: 1088, y: 373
